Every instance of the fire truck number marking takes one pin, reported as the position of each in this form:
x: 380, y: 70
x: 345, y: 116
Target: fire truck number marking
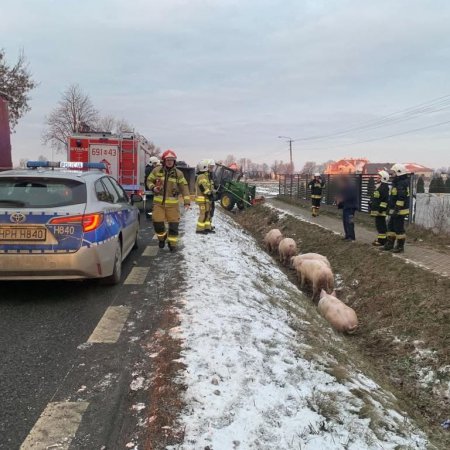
x: 104, y: 151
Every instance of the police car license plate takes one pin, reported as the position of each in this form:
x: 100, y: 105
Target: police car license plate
x: 18, y: 233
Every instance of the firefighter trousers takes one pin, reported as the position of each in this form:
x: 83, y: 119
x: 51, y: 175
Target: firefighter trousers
x: 169, y: 214
x: 204, y: 216
x: 396, y: 227
x: 381, y: 226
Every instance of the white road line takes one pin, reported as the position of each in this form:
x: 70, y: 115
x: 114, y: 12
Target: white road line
x: 110, y: 326
x: 137, y: 275
x: 151, y: 250
x: 56, y: 427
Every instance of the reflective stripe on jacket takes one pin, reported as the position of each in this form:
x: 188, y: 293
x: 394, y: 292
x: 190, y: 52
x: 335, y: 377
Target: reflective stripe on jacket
x: 171, y: 182
x: 316, y: 188
x: 400, y: 196
x: 203, y: 188
x: 379, y: 202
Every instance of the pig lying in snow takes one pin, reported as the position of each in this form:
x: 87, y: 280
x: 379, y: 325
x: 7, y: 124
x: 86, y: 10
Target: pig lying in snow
x: 272, y: 239
x: 311, y: 256
x: 287, y: 249
x: 316, y: 273
x: 341, y: 317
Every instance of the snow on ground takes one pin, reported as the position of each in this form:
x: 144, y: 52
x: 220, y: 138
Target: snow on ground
x: 266, y: 188
x: 264, y: 371
x: 282, y: 213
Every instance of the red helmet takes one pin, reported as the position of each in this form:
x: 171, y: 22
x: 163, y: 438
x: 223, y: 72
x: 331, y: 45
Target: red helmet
x: 168, y: 154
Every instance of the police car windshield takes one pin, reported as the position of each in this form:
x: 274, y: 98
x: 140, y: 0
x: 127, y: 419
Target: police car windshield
x: 40, y: 192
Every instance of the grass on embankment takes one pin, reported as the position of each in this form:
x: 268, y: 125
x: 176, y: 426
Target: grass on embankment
x: 403, y: 311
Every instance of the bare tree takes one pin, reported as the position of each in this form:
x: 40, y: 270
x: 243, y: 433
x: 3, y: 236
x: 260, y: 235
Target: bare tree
x: 309, y: 167
x: 112, y: 125
x: 74, y: 113
x: 106, y: 123
x: 15, y: 84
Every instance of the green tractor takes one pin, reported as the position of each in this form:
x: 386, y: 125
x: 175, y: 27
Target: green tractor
x: 231, y: 191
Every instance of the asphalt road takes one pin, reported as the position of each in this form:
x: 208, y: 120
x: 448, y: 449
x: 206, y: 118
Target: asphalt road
x: 45, y: 357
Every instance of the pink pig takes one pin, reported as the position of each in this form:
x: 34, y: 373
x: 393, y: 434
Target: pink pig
x: 272, y: 239
x: 341, y: 317
x: 316, y: 273
x: 287, y: 249
x: 311, y: 256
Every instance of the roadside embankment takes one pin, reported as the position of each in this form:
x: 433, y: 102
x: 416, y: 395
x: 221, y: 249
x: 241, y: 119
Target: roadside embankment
x: 403, y: 310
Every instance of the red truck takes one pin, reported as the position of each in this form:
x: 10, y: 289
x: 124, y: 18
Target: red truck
x: 124, y: 155
x: 5, y: 135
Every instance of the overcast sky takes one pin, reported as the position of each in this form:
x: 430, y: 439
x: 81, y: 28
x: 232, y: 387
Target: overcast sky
x: 213, y: 77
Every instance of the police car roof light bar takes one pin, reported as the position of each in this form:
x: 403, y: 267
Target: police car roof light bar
x: 66, y: 165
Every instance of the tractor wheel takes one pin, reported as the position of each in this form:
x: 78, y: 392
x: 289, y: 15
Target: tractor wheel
x: 227, y: 202
x: 240, y: 205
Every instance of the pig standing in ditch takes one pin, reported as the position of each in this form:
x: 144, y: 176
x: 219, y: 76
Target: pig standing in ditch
x: 317, y: 274
x: 286, y: 250
x: 311, y: 256
x: 272, y: 239
x: 341, y: 317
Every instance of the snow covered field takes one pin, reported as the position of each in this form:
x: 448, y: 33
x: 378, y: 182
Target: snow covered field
x: 264, y: 371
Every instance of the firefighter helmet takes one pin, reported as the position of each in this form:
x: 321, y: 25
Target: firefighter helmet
x: 168, y: 154
x: 399, y: 169
x: 384, y: 176
x: 317, y: 174
x: 153, y: 160
x: 211, y: 162
x: 202, y: 166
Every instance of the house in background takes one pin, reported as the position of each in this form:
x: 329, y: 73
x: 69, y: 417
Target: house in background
x: 346, y: 166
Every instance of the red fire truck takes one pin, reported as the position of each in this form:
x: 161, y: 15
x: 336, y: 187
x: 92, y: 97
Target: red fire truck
x: 124, y: 155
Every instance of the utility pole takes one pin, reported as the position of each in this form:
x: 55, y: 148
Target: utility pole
x: 290, y: 140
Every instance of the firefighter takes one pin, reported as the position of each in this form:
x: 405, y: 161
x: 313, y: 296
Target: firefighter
x: 167, y: 183
x: 211, y: 168
x: 316, y: 186
x: 203, y: 192
x: 152, y: 163
x: 399, y: 199
x: 378, y: 206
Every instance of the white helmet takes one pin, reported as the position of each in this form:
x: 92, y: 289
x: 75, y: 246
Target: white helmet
x: 211, y: 162
x: 384, y: 176
x: 153, y: 160
x: 202, y: 166
x: 399, y: 169
x: 317, y: 174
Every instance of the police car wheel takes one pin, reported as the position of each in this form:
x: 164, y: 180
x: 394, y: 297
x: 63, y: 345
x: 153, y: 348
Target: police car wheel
x: 114, y: 278
x: 136, y: 241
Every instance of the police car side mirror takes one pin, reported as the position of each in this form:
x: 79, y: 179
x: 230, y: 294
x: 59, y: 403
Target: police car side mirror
x: 135, y: 198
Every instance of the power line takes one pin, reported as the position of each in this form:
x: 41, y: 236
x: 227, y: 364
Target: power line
x: 431, y: 106
x: 388, y: 136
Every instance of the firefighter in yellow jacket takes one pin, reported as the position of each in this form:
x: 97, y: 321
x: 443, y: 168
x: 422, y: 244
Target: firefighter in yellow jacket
x: 167, y: 183
x: 204, y: 191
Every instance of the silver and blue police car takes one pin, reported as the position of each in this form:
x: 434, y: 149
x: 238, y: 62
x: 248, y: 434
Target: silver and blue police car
x: 60, y: 222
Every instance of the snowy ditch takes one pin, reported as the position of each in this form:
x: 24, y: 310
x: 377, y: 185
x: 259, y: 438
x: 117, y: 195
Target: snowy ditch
x: 264, y: 371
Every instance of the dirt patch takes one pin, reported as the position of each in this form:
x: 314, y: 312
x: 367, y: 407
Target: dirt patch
x: 166, y: 393
x: 404, y: 315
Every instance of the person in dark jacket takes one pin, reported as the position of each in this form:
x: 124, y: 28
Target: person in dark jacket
x: 347, y: 200
x: 378, y: 206
x: 399, y: 199
x: 316, y: 186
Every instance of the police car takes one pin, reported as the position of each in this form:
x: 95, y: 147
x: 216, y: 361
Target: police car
x: 61, y: 221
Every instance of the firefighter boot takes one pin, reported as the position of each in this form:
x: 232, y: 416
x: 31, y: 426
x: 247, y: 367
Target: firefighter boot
x: 400, y: 248
x: 389, y: 245
x: 162, y: 244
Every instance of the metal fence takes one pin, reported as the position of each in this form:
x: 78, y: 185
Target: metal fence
x: 296, y: 186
